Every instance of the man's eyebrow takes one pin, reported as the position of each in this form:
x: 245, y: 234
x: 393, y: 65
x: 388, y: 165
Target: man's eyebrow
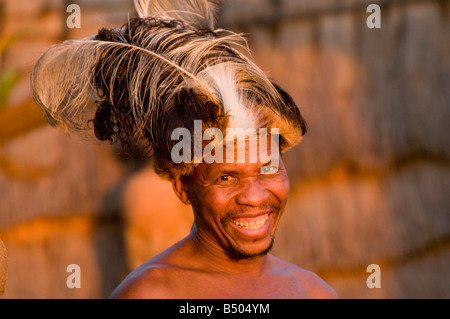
x: 228, y: 172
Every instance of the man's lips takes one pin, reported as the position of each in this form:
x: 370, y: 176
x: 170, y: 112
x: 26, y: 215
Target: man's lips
x: 251, y: 223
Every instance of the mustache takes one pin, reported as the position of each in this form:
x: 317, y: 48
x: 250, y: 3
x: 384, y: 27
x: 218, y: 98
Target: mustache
x: 230, y: 214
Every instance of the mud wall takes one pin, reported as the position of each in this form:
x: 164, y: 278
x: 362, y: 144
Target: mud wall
x: 369, y: 182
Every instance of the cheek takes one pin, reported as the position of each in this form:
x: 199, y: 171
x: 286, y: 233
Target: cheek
x: 279, y: 186
x: 211, y: 204
x: 284, y: 187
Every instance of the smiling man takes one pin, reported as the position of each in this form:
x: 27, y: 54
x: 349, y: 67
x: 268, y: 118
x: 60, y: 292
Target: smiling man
x: 171, y: 84
x: 237, y: 209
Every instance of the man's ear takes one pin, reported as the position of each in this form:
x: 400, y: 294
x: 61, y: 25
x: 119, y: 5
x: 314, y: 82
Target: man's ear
x: 181, y: 191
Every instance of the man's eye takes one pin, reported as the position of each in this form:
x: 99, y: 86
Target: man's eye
x: 269, y: 169
x: 225, y: 178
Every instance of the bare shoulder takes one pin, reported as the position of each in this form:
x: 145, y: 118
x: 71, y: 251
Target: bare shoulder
x: 149, y: 281
x: 311, y: 283
x: 315, y: 286
x: 157, y: 278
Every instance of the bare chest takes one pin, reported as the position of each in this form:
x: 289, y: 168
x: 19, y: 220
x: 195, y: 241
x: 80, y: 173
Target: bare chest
x: 210, y: 286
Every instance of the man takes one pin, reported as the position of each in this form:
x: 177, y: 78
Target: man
x: 236, y: 210
x: 171, y: 84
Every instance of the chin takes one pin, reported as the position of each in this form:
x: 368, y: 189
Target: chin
x: 238, y: 253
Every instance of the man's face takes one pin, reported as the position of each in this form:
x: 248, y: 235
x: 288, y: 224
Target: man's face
x: 237, y: 207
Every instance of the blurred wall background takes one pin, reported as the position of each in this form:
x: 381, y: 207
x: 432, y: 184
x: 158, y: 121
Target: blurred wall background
x: 369, y: 183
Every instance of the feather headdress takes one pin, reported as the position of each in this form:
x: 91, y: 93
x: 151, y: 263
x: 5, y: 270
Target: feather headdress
x: 159, y: 72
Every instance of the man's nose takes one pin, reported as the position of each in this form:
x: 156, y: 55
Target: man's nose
x: 252, y: 193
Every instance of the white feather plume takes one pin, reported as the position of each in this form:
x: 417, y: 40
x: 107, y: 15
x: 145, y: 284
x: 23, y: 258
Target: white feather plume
x: 201, y: 12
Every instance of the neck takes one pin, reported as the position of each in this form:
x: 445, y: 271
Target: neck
x: 218, y: 259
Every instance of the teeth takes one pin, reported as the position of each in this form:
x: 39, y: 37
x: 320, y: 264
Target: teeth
x: 252, y: 224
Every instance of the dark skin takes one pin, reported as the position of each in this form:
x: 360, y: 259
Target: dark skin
x: 236, y: 211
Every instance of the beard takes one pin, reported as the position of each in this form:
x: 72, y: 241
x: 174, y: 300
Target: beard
x: 235, y: 252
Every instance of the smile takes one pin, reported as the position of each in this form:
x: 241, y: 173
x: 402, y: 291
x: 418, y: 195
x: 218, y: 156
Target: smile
x: 251, y: 223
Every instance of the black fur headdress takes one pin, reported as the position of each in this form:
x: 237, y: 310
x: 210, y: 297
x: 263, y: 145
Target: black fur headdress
x: 159, y: 72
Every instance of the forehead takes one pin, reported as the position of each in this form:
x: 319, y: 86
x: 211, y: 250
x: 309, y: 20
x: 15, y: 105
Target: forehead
x: 238, y: 151
x: 242, y: 146
x: 239, y: 164
x: 211, y: 169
